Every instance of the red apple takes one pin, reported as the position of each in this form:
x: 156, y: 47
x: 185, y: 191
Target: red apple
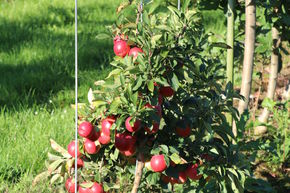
x: 121, y: 48
x: 134, y: 52
x: 80, y: 163
x: 191, y: 172
x: 85, y: 129
x: 104, y: 139
x: 183, y: 132
x: 173, y: 180
x: 106, y: 126
x: 84, y: 190
x: 182, y: 177
x: 94, y: 136
x: 123, y: 141
x: 70, y: 185
x: 90, y: 147
x: 160, y: 99
x: 131, y: 151
x: 71, y: 149
x: 97, y: 188
x: 135, y: 126
x: 158, y: 163
x: 165, y: 179
x: 166, y: 91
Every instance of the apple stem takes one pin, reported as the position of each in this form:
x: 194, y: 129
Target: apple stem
x: 138, y: 172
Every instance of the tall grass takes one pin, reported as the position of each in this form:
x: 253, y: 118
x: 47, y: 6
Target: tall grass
x: 37, y: 78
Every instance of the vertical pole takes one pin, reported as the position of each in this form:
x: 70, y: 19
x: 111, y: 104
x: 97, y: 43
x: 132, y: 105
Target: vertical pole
x: 141, y: 8
x: 178, y: 5
x: 76, y: 93
x: 230, y: 51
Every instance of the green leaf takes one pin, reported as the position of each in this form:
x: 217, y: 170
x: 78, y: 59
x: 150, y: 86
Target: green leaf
x: 175, y: 158
x: 164, y: 148
x: 150, y: 85
x: 138, y: 84
x: 122, y: 79
x: 114, y: 72
x: 59, y: 149
x: 54, y: 165
x: 175, y: 82
x: 103, y: 36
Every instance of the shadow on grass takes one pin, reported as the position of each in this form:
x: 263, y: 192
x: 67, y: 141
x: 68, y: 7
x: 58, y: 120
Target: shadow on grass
x: 37, y: 56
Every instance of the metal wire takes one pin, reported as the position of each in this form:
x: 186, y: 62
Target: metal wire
x: 76, y: 94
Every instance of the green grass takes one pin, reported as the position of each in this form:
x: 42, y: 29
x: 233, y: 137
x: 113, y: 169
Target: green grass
x: 37, y: 78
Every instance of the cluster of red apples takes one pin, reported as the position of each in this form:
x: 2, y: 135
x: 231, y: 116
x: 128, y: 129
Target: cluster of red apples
x: 94, y: 139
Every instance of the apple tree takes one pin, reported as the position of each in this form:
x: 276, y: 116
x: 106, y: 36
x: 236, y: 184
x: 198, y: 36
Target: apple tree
x: 157, y: 122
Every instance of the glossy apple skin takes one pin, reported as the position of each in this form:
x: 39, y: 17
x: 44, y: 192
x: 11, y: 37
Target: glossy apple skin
x: 104, y: 139
x: 158, y: 163
x: 183, y: 132
x: 90, y: 147
x: 182, y: 177
x: 124, y: 141
x: 85, y: 129
x: 106, y: 126
x: 135, y: 126
x: 166, y: 91
x: 135, y: 51
x: 121, y: 48
x: 71, y: 149
x: 97, y: 188
x: 70, y: 185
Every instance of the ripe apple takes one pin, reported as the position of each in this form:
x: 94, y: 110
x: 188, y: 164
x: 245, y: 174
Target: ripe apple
x: 173, y: 180
x: 97, y: 188
x: 183, y: 132
x: 160, y: 99
x: 182, y: 177
x: 166, y: 91
x: 71, y: 149
x: 84, y: 190
x: 106, y: 126
x: 131, y: 151
x: 165, y: 179
x: 135, y: 126
x: 134, y: 52
x: 158, y: 163
x: 85, y: 129
x: 80, y: 163
x: 70, y: 185
x: 123, y: 141
x: 104, y: 139
x: 90, y: 147
x: 191, y: 172
x: 94, y: 136
x: 121, y: 48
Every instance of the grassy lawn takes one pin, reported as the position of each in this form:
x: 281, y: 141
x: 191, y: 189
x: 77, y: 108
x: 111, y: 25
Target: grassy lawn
x: 37, y: 78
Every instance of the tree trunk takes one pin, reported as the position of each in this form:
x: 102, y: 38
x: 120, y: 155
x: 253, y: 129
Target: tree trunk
x: 230, y: 52
x: 138, y: 172
x: 272, y: 79
x: 248, y: 63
